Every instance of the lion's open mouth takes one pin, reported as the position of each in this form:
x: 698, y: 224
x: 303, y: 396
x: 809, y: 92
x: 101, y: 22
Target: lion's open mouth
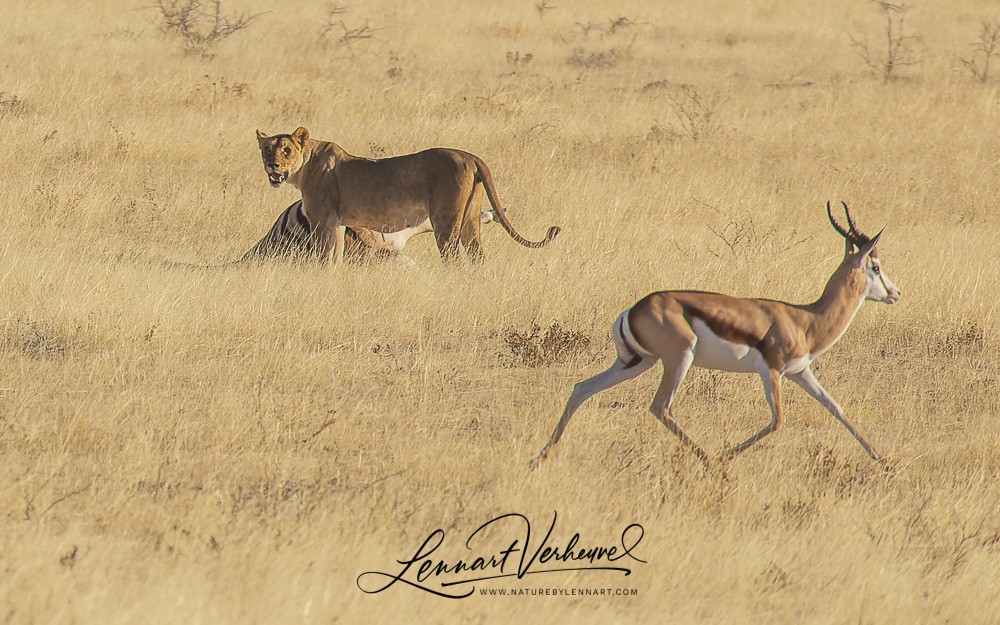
x: 276, y: 178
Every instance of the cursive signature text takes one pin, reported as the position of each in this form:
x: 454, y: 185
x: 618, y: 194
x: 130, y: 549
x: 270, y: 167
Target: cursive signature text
x: 448, y: 578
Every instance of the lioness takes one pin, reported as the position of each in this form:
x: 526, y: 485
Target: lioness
x: 385, y: 195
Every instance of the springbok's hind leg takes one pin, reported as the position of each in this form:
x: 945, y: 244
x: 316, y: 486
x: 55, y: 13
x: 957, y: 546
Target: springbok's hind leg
x: 618, y: 372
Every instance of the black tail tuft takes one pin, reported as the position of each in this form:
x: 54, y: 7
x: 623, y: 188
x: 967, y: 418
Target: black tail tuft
x: 633, y: 361
x: 636, y: 358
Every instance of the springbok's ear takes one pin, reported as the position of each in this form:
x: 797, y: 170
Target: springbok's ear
x: 867, y: 248
x: 260, y: 137
x: 300, y: 136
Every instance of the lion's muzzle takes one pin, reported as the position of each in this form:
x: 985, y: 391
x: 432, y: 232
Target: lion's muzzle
x: 276, y: 178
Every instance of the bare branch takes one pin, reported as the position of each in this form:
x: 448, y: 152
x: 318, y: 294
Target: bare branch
x: 542, y: 7
x: 348, y: 36
x: 694, y: 113
x: 987, y: 47
x: 200, y: 24
x: 899, y: 50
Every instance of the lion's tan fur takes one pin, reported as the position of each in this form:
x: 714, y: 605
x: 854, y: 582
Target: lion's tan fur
x: 385, y: 195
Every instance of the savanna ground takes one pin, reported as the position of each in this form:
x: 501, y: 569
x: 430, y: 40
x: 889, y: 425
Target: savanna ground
x: 239, y: 444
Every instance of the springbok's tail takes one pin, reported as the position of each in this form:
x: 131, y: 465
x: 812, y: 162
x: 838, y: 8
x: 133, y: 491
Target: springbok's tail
x: 484, y: 175
x: 630, y: 352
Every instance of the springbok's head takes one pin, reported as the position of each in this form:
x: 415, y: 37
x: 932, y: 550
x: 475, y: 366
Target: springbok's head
x: 880, y: 288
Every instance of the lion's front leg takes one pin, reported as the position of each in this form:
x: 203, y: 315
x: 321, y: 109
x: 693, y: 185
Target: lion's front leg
x: 330, y: 242
x: 339, y: 235
x: 329, y: 224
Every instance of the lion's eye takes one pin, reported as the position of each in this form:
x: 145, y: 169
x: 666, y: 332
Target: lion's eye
x: 287, y: 151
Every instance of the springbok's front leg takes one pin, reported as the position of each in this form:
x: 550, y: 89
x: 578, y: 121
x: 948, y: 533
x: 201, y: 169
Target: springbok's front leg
x: 772, y: 391
x: 674, y: 370
x: 808, y: 381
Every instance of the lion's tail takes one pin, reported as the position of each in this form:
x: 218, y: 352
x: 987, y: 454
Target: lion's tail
x: 484, y: 175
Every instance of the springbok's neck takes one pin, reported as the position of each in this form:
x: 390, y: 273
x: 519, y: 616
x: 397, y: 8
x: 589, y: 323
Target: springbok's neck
x: 836, y: 307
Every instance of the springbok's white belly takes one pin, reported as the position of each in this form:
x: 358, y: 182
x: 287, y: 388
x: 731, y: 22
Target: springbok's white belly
x: 714, y: 352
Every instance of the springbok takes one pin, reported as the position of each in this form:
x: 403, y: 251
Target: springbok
x: 767, y: 337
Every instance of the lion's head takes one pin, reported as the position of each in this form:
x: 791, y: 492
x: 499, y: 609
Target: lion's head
x: 282, y: 154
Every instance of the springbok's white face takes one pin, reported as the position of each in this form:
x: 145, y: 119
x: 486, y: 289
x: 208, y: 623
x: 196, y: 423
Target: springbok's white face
x: 880, y: 287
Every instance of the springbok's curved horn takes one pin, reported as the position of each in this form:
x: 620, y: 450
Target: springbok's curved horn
x: 864, y: 238
x: 853, y: 235
x: 836, y: 226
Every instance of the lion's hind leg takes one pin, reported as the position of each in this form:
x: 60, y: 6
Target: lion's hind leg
x: 447, y: 240
x: 471, y: 222
x: 447, y: 213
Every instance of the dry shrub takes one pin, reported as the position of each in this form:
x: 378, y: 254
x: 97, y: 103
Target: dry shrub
x: 828, y: 473
x: 537, y: 348
x: 201, y: 25
x: 214, y: 91
x: 968, y: 338
x: 984, y: 50
x: 35, y: 339
x: 900, y: 46
x: 11, y: 106
x: 603, y: 59
x: 695, y: 113
x: 343, y: 35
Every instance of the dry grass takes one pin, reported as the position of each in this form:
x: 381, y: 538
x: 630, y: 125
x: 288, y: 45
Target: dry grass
x: 239, y: 444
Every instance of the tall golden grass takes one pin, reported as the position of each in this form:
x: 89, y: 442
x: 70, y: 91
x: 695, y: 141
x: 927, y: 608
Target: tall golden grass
x: 239, y: 444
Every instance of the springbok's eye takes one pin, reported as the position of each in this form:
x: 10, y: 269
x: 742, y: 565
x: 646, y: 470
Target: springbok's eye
x: 876, y: 270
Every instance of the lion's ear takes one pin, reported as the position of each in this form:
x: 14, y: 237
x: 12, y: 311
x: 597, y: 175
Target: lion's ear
x: 300, y: 136
x: 260, y: 136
